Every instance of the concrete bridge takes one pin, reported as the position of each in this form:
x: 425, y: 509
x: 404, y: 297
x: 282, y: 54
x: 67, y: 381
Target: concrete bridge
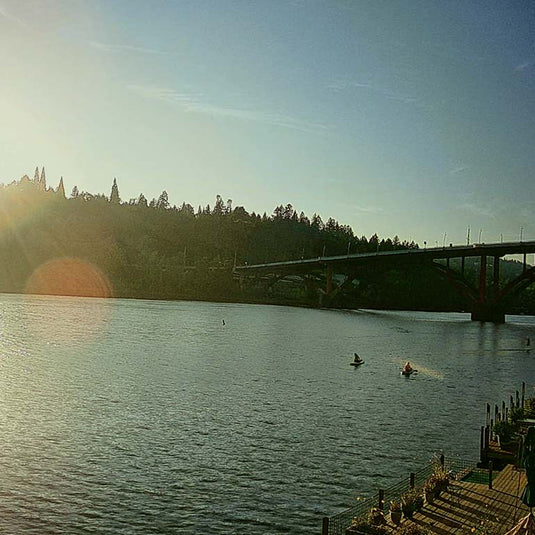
x: 487, y: 303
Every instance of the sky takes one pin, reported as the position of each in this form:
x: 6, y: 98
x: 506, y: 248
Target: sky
x: 412, y: 118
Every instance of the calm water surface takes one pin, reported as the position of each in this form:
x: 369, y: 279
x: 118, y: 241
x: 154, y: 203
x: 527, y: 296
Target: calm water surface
x: 126, y: 416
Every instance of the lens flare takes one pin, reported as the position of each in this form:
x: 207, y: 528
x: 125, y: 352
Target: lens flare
x: 69, y: 276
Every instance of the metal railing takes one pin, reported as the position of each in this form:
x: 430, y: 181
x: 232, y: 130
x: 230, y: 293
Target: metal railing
x: 338, y: 523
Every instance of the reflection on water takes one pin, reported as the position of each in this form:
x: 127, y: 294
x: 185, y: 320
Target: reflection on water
x: 122, y: 416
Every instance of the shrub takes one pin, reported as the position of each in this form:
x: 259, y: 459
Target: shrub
x: 505, y: 430
x: 395, y: 506
x: 529, y: 408
x: 363, y: 525
x: 411, y: 529
x: 515, y: 414
x: 376, y: 517
x: 431, y: 484
x: 411, y: 501
x: 441, y: 477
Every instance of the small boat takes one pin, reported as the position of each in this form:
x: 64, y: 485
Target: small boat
x: 407, y: 373
x: 358, y: 361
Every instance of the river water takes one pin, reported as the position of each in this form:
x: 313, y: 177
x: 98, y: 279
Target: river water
x: 129, y: 416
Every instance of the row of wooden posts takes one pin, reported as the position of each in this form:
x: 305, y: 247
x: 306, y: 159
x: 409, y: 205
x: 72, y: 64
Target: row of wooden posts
x: 500, y: 413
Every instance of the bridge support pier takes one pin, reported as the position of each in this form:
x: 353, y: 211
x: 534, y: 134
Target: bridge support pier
x: 488, y: 312
x: 488, y: 309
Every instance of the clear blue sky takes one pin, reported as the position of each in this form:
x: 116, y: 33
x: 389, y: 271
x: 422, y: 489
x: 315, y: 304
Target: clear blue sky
x: 414, y: 118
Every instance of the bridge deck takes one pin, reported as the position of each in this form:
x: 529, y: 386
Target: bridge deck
x: 398, y: 256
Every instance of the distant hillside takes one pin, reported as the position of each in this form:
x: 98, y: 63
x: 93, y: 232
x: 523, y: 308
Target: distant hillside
x: 93, y: 245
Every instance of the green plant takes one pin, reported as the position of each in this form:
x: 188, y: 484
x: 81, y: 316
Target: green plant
x: 516, y: 414
x: 363, y: 525
x: 394, y: 506
x: 441, y: 477
x: 430, y: 485
x: 376, y: 517
x: 505, y: 430
x: 418, y: 500
x: 411, y: 501
x: 411, y: 529
x: 529, y: 408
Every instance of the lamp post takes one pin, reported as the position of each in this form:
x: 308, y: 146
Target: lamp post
x: 521, y: 230
x: 479, y: 236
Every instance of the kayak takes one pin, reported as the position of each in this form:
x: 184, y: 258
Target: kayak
x: 357, y: 363
x: 407, y: 373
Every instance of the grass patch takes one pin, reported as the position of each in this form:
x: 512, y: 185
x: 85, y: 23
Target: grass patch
x: 479, y: 476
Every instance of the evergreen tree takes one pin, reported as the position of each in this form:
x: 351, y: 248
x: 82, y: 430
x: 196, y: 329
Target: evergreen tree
x: 186, y: 209
x: 61, y: 189
x: 219, y: 207
x: 36, y: 175
x: 114, y: 196
x: 288, y: 212
x: 142, y: 201
x: 317, y: 222
x: 42, y: 181
x: 163, y: 201
x: 303, y: 219
x: 278, y: 212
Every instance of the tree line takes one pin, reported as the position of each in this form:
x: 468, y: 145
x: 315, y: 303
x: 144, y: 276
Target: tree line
x: 152, y: 249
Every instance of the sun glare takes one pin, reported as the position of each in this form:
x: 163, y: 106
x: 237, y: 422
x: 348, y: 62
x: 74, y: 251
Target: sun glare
x: 69, y: 276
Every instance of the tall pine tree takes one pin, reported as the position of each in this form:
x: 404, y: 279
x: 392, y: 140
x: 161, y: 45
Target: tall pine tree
x: 114, y: 197
x: 61, y: 189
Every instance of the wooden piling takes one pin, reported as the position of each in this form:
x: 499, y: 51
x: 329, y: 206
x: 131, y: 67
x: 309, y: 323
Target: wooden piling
x: 381, y: 504
x: 490, y: 475
x: 523, y: 392
x: 411, y: 480
x: 325, y: 526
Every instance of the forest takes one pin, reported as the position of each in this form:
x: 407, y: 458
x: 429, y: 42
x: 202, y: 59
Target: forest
x: 96, y: 245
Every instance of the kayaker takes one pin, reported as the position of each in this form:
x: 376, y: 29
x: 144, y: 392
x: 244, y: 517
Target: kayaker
x: 357, y: 358
x: 407, y: 368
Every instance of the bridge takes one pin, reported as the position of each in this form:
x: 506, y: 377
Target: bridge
x: 487, y: 301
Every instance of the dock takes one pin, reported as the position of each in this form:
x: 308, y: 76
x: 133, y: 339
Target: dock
x: 468, y: 506
x: 477, y: 501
